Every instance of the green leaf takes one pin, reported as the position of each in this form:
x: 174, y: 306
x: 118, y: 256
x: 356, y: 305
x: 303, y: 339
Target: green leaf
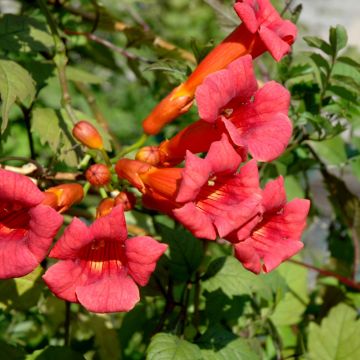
x: 338, y: 38
x: 45, y: 123
x: 338, y: 336
x: 349, y: 61
x: 77, y: 74
x: 320, y: 61
x: 331, y: 151
x: 55, y: 353
x: 227, y: 274
x: 219, y: 344
x: 186, y: 252
x: 293, y: 188
x: 170, y: 347
x: 21, y: 293
x: 16, y: 84
x: 290, y: 309
x: 318, y: 43
x: 24, y: 34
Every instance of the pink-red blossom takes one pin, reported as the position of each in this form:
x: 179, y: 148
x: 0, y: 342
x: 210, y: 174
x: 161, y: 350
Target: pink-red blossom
x: 27, y: 227
x: 274, y: 235
x: 229, y: 101
x: 100, y: 267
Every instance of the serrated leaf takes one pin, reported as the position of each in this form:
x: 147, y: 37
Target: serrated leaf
x: 338, y: 38
x: 338, y: 336
x: 170, y: 347
x: 16, y: 84
x: 186, y: 252
x: 318, y: 43
x: 45, y: 123
x: 228, y: 274
x: 289, y: 310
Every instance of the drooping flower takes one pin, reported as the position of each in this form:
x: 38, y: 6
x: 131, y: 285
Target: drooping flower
x: 27, y: 227
x: 229, y: 101
x: 100, y: 267
x: 208, y: 196
x: 262, y: 29
x: 274, y: 236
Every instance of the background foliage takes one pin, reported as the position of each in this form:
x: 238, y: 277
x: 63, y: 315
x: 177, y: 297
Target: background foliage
x: 200, y: 304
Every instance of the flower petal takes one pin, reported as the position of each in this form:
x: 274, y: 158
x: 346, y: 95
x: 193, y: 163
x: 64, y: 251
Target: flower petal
x: 196, y: 221
x: 15, y: 257
x: 218, y: 89
x: 246, y: 254
x: 274, y: 196
x: 63, y: 278
x: 194, y: 176
x: 142, y: 253
x: 109, y: 294
x: 43, y: 225
x: 222, y: 157
x: 110, y: 227
x: 18, y: 188
x: 275, y: 45
x: 247, y: 15
x: 75, y: 237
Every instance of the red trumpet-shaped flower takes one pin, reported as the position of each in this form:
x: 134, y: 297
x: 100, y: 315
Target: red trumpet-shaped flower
x: 27, y: 227
x: 229, y: 101
x: 262, y: 29
x: 208, y: 196
x: 271, y: 238
x: 99, y: 266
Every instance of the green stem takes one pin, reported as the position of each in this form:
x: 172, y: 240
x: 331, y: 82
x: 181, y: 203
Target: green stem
x: 60, y: 59
x: 106, y: 157
x: 103, y: 193
x: 139, y: 143
x: 86, y: 188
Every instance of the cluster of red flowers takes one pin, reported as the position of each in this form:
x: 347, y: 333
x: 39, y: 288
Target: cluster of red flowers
x: 217, y: 195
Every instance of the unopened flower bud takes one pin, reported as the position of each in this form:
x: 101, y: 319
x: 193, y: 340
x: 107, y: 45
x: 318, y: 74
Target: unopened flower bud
x: 88, y: 135
x: 98, y: 175
x: 105, y: 207
x: 149, y: 154
x: 63, y: 196
x: 126, y: 199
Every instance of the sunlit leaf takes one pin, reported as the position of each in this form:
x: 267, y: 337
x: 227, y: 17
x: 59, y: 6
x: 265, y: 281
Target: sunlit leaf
x: 170, y: 347
x: 338, y: 336
x: 16, y: 84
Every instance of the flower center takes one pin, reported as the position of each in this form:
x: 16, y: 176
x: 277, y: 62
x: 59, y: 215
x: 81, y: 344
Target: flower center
x: 13, y: 217
x: 103, y: 256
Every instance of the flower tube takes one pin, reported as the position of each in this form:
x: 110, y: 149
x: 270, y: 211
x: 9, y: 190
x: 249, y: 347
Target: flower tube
x: 262, y: 29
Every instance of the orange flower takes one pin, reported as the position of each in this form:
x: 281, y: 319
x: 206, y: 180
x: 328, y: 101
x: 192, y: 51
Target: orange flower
x: 262, y: 29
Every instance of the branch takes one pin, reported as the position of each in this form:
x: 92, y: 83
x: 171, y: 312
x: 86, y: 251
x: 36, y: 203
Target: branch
x: 121, y: 27
x: 342, y: 279
x: 109, y: 45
